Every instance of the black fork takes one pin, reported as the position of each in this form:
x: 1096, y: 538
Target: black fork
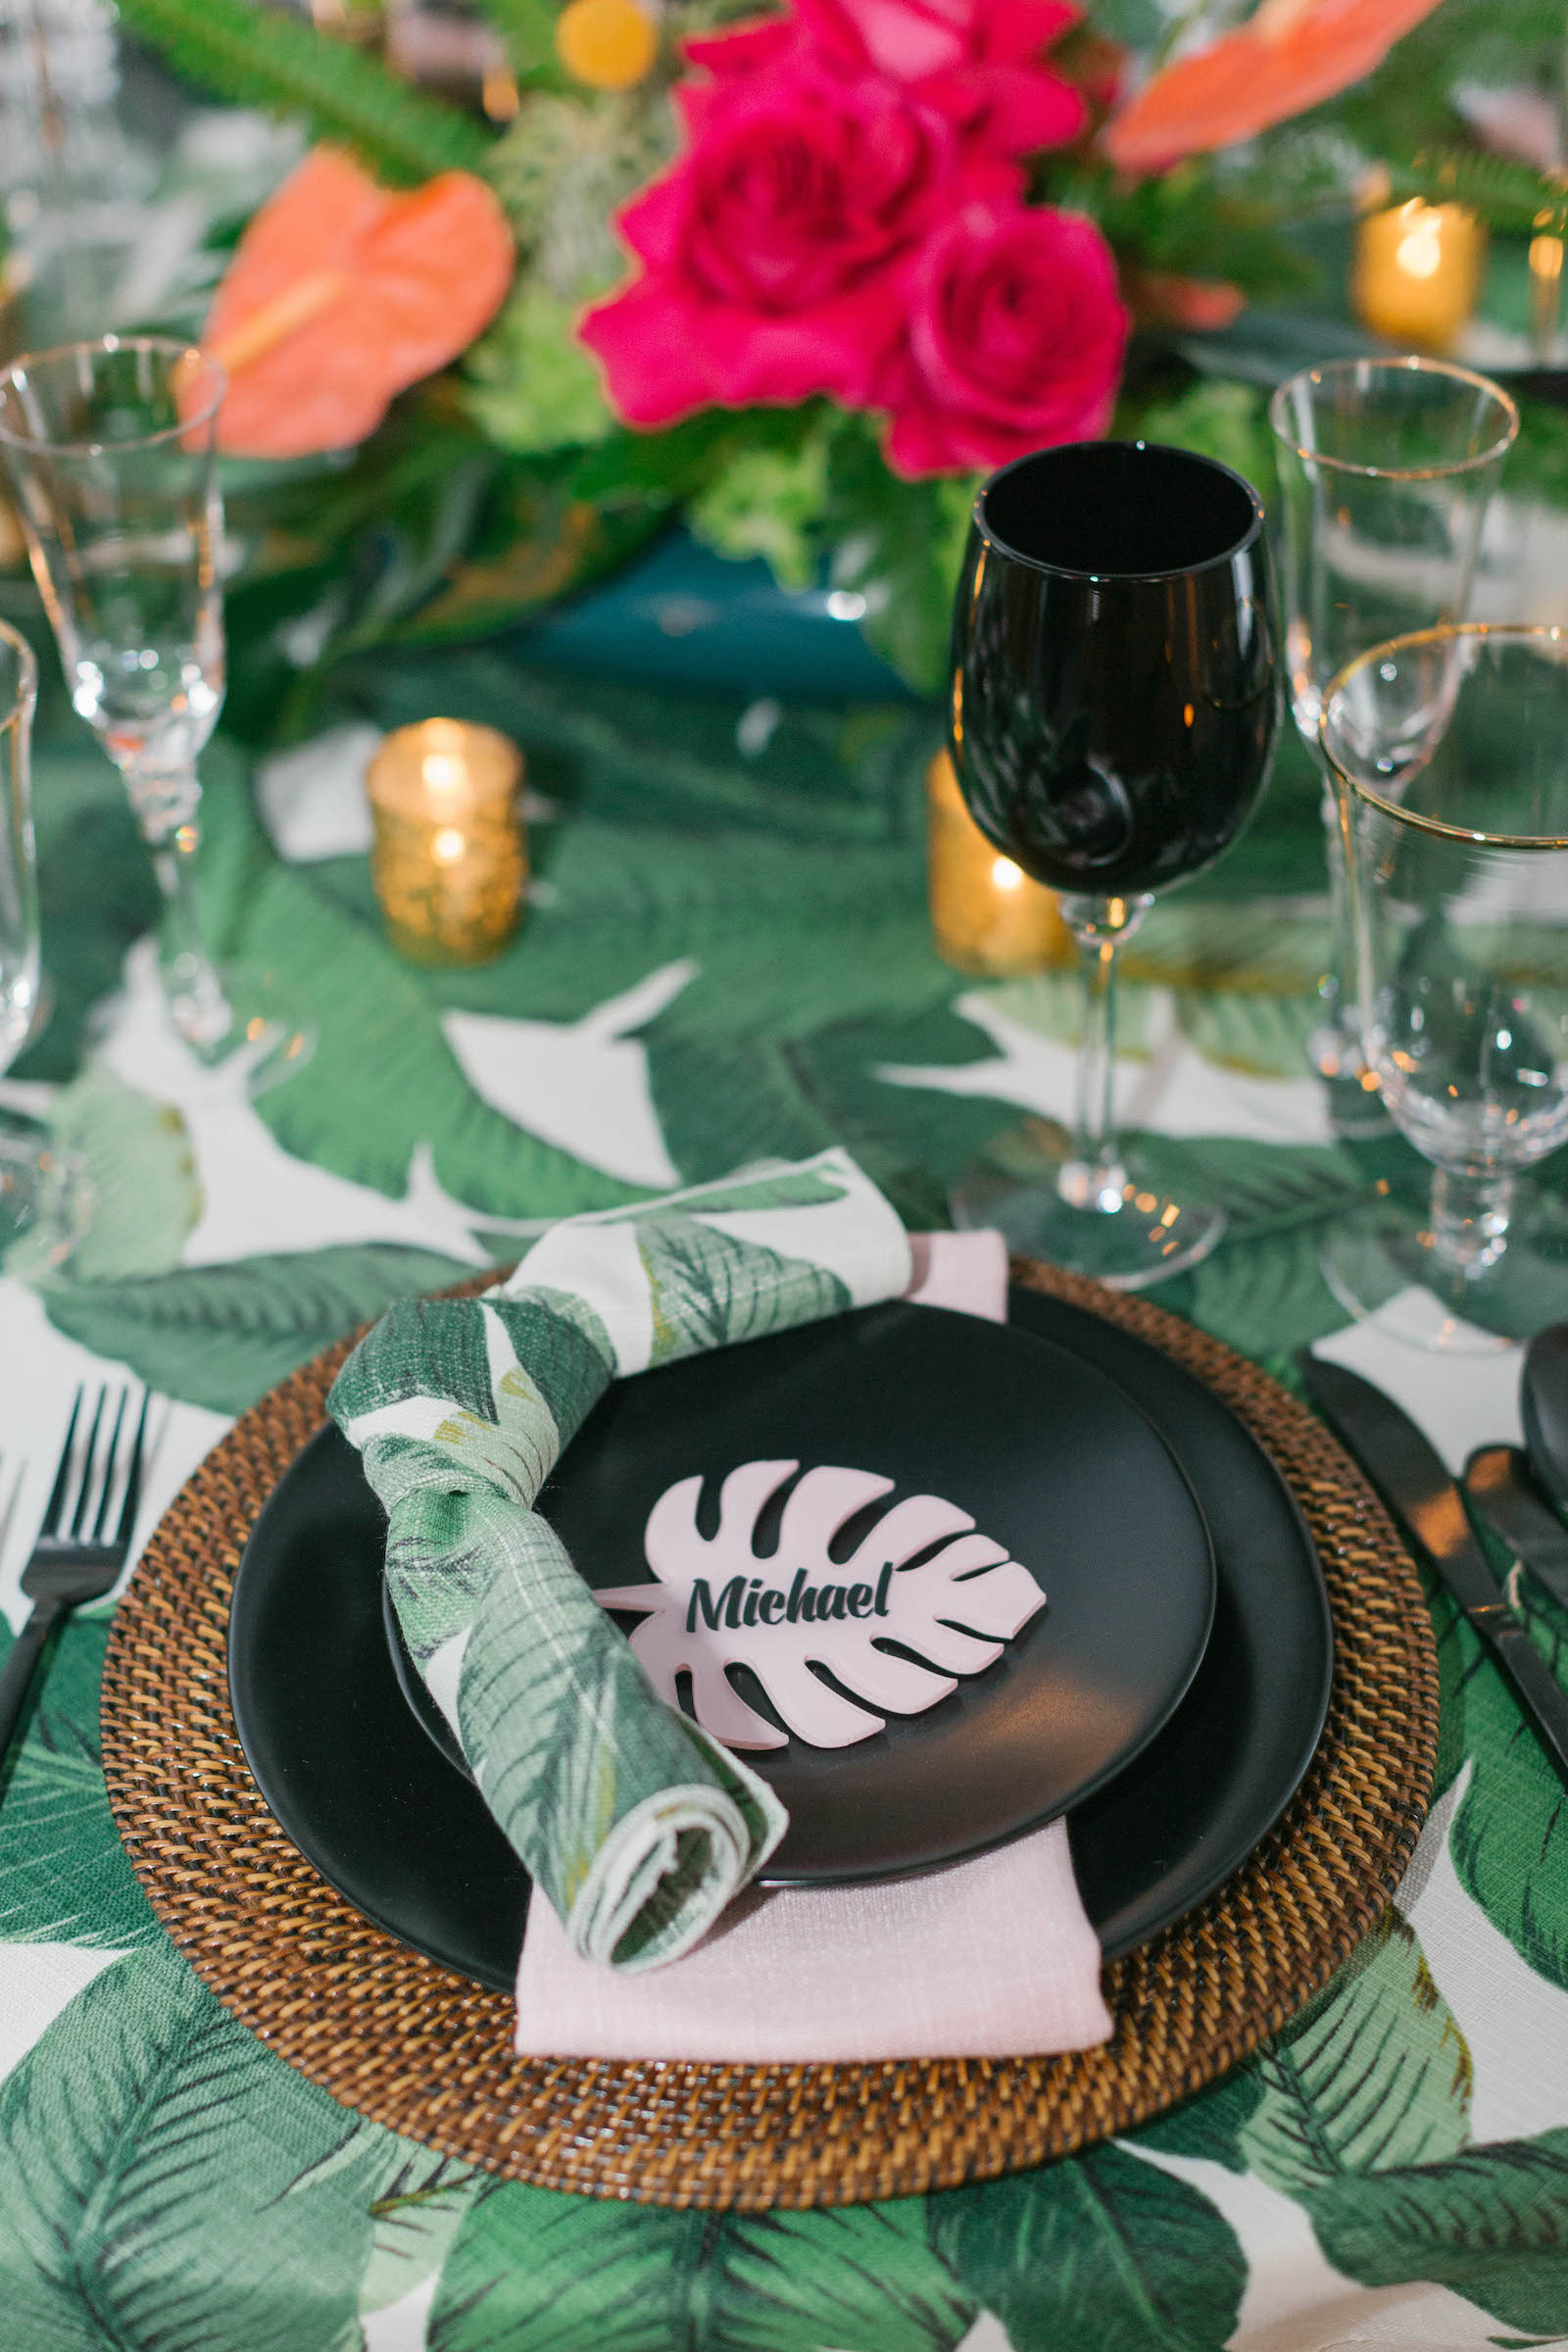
x: 79, y: 1560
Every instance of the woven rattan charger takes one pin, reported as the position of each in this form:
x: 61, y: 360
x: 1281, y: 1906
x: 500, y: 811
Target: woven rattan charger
x: 428, y: 2053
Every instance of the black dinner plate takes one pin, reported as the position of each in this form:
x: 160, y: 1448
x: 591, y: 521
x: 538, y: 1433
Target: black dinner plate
x: 1050, y: 1459
x: 368, y: 1799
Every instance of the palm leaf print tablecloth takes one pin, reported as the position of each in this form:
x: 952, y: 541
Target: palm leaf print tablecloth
x: 730, y: 960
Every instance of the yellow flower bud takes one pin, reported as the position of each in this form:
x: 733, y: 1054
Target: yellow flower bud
x: 610, y: 44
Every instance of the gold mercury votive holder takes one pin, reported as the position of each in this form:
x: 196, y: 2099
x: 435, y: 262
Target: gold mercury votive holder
x: 987, y: 914
x: 448, y: 856
x: 1416, y: 272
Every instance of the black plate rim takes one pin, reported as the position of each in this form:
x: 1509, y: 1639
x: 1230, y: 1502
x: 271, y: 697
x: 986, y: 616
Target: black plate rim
x: 1229, y: 1857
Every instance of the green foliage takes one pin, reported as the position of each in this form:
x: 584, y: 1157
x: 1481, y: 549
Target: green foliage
x: 1215, y: 418
x: 758, y: 869
x: 1262, y: 1289
x: 584, y: 2276
x: 769, y: 503
x: 1265, y: 346
x: 416, y: 2215
x: 531, y: 385
x: 260, y: 57
x: 1506, y: 194
x: 1509, y: 1838
x: 1373, y: 2076
x: 96, y: 892
x: 64, y: 1875
x: 563, y: 166
x: 1198, y: 220
x: 1136, y: 24
x: 1302, y: 169
x: 1209, y: 2125
x: 1101, y: 2249
x: 1538, y: 462
x: 1269, y: 1189
x: 432, y: 532
x: 1490, y: 2224
x: 1260, y: 947
x: 667, y: 768
x: 1266, y: 1296
x: 222, y: 1335
x: 679, y: 463
x: 136, y: 1155
x: 1406, y: 105
x: 140, y: 2205
x: 528, y: 28
x: 900, y: 545
x: 706, y: 1289
x: 1257, y: 1034
x: 383, y: 1079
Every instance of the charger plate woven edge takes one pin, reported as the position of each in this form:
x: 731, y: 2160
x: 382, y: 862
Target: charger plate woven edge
x: 428, y: 2053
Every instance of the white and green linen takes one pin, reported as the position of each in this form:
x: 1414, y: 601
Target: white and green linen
x: 634, y: 1824
x: 1391, y: 2169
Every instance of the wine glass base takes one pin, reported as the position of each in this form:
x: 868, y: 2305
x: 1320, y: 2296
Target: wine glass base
x: 245, y: 1015
x: 46, y: 1201
x: 1136, y: 1235
x: 1383, y: 1269
x: 1355, y: 1103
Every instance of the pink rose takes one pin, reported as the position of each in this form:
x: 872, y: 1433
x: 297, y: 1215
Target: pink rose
x: 1016, y: 340
x: 766, y: 251
x: 978, y: 62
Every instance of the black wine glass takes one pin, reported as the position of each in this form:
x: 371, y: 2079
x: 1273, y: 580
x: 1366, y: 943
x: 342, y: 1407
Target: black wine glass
x: 1116, y: 703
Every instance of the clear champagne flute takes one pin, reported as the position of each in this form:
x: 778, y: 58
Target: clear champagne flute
x: 1385, y: 469
x: 42, y: 1190
x: 110, y: 450
x: 1450, y: 748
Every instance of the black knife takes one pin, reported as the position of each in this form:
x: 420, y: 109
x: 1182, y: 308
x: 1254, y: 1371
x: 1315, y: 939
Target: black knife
x: 1499, y: 1483
x: 1409, y: 1475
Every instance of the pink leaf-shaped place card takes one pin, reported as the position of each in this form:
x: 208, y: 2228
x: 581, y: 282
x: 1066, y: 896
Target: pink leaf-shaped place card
x: 923, y: 1579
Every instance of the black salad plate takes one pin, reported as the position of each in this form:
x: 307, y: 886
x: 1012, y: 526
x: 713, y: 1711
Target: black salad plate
x: 1046, y: 1460
x: 1051, y: 1462
x: 368, y: 1797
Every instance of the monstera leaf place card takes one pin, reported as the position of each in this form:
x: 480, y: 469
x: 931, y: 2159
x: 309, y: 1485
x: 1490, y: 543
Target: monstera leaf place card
x: 922, y: 1598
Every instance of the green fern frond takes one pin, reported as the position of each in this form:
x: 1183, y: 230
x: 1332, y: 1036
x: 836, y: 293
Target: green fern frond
x: 1503, y: 193
x: 254, y: 57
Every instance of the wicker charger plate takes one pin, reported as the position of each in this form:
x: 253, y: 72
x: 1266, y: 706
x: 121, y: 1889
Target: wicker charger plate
x: 428, y: 2053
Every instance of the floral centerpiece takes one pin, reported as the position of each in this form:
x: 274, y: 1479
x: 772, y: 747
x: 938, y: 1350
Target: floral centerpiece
x: 799, y: 279
x: 848, y: 221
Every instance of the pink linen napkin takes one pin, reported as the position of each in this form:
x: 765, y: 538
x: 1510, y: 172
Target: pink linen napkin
x: 989, y: 1958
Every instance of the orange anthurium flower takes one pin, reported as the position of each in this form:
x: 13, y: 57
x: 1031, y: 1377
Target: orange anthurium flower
x: 1291, y: 55
x: 341, y: 293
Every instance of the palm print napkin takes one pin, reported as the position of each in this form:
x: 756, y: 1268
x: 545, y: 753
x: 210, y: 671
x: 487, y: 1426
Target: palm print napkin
x: 636, y: 1824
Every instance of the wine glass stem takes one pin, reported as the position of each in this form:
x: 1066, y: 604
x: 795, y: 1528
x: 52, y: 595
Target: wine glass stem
x: 1470, y: 1221
x: 1338, y: 987
x: 166, y: 809
x: 1093, y: 1177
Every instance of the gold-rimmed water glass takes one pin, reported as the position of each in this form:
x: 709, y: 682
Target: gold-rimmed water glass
x: 1449, y: 748
x: 1385, y: 470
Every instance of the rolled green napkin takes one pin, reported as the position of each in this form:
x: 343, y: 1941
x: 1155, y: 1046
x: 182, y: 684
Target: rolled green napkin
x: 636, y: 1825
